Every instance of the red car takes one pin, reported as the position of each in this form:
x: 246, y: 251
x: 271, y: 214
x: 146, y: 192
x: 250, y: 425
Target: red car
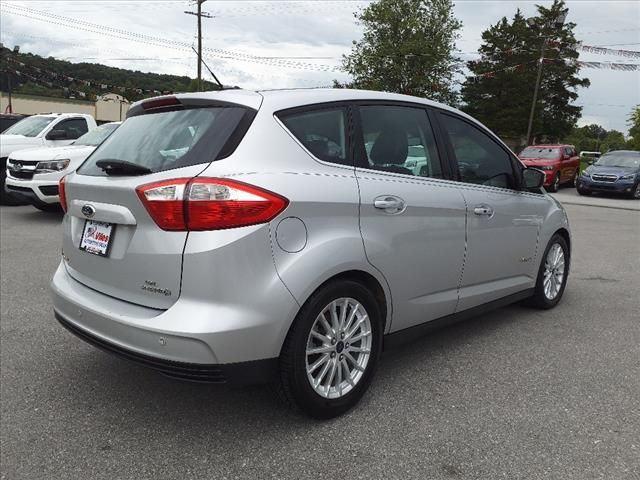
x: 560, y: 164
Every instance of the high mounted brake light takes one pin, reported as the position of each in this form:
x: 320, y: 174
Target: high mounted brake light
x: 160, y: 103
x: 203, y: 203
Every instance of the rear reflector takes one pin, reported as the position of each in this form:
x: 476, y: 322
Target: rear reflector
x: 62, y: 194
x: 203, y: 203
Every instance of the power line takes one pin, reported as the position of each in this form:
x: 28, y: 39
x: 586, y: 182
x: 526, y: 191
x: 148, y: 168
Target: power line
x: 158, y: 41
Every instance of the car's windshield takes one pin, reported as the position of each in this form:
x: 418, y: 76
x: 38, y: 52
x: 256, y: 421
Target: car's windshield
x: 167, y: 140
x: 29, y: 127
x: 630, y: 160
x: 95, y: 137
x: 537, y: 152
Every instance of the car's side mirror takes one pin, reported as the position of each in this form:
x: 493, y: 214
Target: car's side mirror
x: 566, y: 157
x: 532, y: 178
x: 57, y: 135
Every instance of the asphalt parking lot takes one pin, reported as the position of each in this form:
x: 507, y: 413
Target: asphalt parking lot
x: 515, y: 394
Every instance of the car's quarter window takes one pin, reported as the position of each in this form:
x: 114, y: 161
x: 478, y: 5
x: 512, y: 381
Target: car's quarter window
x: 398, y: 139
x: 323, y: 132
x: 74, y: 127
x: 480, y: 159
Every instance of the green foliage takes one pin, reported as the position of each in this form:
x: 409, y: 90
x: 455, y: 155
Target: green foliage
x: 97, y: 74
x: 595, y: 138
x: 503, y: 100
x: 634, y: 131
x: 406, y: 48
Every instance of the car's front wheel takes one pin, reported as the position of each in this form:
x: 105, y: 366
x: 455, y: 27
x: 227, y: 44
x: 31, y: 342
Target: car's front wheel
x: 635, y: 194
x: 555, y: 185
x: 552, y: 274
x: 332, y: 350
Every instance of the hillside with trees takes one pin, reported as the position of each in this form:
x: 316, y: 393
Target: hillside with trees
x: 35, y: 75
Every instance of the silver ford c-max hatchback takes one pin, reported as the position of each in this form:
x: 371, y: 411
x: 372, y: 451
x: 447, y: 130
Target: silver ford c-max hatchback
x: 240, y: 236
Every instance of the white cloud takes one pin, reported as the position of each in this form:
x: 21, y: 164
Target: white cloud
x: 294, y: 29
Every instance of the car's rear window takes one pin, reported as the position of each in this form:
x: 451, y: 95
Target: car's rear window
x: 168, y: 140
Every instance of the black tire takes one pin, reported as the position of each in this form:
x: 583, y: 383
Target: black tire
x: 49, y: 207
x: 293, y: 385
x: 539, y: 299
x: 635, y: 193
x: 574, y: 182
x: 555, y: 185
x: 7, y: 198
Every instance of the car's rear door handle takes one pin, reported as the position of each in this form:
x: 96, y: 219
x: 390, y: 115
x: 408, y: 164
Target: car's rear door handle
x: 389, y: 203
x: 483, y: 210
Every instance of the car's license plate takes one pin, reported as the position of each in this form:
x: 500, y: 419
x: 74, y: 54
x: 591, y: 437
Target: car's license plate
x: 96, y: 237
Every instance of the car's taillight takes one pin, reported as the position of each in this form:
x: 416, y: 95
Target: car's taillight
x: 62, y: 194
x: 203, y: 203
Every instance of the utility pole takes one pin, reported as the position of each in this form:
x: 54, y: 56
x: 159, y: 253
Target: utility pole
x: 535, y: 91
x: 199, y: 14
x: 558, y: 23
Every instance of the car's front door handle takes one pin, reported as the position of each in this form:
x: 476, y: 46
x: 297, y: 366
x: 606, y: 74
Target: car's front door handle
x: 483, y: 210
x: 389, y: 204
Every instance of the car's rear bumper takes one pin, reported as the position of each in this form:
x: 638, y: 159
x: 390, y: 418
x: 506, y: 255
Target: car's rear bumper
x: 194, y: 340
x: 253, y: 372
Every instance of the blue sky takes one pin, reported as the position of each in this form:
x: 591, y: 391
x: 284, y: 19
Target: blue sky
x: 275, y: 44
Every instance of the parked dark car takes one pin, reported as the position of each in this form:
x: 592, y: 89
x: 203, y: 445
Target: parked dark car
x: 614, y: 172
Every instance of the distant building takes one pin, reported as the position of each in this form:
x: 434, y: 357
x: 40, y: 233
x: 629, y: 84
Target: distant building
x: 108, y: 108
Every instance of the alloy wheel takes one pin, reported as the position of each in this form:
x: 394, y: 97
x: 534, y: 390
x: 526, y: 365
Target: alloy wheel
x: 554, y: 271
x: 338, y: 348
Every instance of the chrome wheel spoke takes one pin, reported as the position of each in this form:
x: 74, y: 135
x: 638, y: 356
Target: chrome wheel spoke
x: 323, y: 349
x: 324, y: 371
x: 325, y: 324
x: 317, y: 363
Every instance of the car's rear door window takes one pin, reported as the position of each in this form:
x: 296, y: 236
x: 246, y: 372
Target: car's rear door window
x: 168, y: 140
x: 399, y: 139
x: 323, y: 132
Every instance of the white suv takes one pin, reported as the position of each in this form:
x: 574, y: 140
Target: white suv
x: 43, y: 130
x: 35, y: 173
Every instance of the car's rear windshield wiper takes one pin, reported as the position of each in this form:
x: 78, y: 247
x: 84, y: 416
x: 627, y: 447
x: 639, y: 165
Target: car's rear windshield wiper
x: 121, y: 167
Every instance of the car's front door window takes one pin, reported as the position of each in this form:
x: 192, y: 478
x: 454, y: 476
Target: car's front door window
x: 480, y: 159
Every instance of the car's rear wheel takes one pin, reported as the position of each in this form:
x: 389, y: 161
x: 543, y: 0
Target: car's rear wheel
x: 332, y: 350
x: 552, y: 274
x: 555, y: 185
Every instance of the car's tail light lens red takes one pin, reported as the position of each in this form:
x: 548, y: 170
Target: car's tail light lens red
x: 62, y: 194
x: 203, y: 203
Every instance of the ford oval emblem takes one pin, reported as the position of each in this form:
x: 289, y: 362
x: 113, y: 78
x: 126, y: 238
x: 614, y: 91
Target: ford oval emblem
x: 88, y: 210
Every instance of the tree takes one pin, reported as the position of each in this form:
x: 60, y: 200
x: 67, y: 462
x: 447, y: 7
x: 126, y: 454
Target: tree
x: 499, y: 90
x: 634, y: 131
x: 595, y: 138
x: 407, y: 47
